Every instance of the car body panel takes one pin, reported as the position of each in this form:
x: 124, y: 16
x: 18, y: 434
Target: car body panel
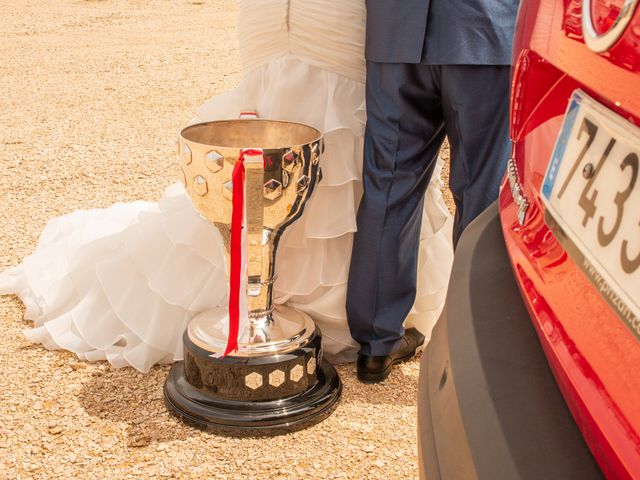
x: 593, y: 354
x: 488, y: 404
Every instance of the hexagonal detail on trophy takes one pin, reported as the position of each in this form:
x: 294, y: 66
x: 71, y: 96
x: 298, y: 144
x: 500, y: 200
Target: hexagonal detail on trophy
x: 253, y: 380
x: 311, y: 366
x: 214, y: 161
x: 227, y: 189
x: 186, y: 154
x: 276, y: 378
x: 201, y: 186
x: 272, y: 189
x: 302, y: 184
x: 289, y: 161
x: 296, y: 373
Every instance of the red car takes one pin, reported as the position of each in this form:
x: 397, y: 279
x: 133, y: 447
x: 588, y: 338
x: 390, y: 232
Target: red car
x: 534, y: 369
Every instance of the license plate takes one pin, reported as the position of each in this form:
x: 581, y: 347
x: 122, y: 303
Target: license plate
x: 591, y: 192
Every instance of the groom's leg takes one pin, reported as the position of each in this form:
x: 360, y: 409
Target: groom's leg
x: 475, y: 103
x: 403, y: 136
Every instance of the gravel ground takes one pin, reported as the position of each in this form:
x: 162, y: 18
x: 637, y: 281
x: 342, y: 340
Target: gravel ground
x: 92, y: 94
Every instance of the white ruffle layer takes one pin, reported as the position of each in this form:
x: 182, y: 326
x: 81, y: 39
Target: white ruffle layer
x: 121, y: 284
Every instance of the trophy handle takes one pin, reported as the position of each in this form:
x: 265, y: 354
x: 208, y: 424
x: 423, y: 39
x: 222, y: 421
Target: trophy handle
x: 254, y: 211
x: 258, y: 274
x: 259, y: 262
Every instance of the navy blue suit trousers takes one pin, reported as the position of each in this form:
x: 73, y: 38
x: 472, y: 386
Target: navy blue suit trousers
x: 410, y: 109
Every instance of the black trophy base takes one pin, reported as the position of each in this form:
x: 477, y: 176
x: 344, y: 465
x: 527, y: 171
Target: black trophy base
x: 267, y: 395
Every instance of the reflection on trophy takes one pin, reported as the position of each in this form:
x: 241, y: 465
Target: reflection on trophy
x: 255, y: 366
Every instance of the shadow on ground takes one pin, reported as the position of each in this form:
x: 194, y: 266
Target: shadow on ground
x: 399, y: 389
x: 125, y: 395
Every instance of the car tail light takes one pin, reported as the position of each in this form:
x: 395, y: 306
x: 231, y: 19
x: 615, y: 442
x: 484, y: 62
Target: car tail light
x: 533, y: 79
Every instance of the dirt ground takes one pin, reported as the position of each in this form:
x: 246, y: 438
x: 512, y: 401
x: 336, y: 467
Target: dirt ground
x: 92, y: 94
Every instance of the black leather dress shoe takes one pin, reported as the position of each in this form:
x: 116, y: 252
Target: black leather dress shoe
x: 373, y: 369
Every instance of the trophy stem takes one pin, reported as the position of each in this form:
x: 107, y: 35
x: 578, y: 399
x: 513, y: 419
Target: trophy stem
x: 260, y: 299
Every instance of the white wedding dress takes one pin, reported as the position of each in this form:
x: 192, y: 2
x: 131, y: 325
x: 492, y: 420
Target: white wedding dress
x: 122, y: 283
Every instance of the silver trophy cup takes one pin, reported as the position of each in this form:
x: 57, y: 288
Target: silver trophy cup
x: 274, y: 379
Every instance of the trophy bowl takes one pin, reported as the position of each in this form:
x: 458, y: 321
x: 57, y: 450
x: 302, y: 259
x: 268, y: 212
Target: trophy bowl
x: 254, y: 367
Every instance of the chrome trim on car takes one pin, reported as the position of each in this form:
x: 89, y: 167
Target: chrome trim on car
x: 517, y: 192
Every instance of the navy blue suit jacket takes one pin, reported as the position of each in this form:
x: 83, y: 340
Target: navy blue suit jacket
x: 441, y: 32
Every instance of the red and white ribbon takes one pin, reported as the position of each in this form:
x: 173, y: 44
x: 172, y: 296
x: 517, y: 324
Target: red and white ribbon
x: 237, y: 250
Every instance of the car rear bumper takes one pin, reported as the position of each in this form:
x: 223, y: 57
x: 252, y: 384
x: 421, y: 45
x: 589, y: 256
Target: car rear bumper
x: 488, y: 404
